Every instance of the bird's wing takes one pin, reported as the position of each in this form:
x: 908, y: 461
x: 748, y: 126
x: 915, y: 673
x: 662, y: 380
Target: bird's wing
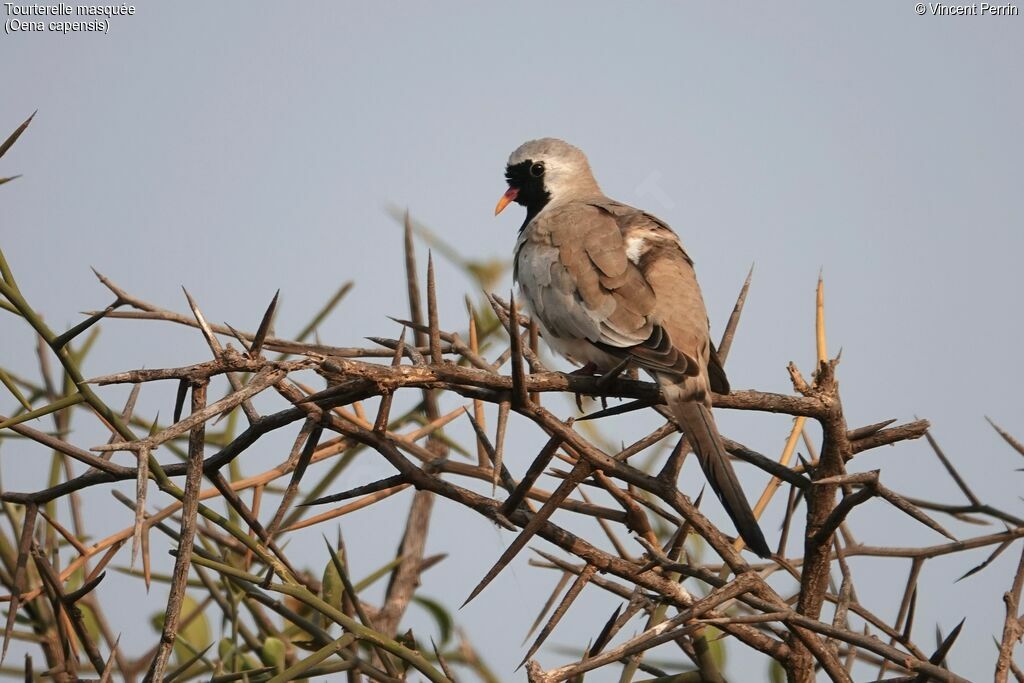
x: 716, y: 373
x: 550, y: 287
x: 620, y: 279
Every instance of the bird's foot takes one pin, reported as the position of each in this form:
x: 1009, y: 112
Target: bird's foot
x: 604, y: 381
x: 588, y: 370
x: 608, y: 378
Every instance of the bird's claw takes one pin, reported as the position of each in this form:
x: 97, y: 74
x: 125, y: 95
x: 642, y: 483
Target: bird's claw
x: 588, y: 370
x: 604, y: 381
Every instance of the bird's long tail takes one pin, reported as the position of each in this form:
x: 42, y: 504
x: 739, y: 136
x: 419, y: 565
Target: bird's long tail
x: 699, y: 426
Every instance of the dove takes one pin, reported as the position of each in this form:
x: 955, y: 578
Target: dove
x: 610, y: 284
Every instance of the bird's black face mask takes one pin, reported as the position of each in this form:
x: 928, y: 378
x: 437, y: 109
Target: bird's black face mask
x: 526, y: 188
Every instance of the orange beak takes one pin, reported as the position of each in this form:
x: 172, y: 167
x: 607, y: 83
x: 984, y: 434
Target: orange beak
x: 505, y: 200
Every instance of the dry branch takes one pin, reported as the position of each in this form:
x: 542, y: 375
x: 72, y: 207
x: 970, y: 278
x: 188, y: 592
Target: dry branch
x: 638, y: 544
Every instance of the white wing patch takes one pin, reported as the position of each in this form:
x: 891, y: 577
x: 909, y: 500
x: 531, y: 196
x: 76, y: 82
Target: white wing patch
x: 635, y: 248
x: 639, y: 240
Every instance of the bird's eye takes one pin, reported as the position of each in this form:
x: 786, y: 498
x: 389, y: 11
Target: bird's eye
x: 537, y: 170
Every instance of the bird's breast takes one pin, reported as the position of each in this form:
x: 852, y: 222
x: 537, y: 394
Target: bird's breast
x: 578, y: 350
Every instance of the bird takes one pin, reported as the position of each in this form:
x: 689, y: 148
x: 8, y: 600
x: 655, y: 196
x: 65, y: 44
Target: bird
x: 611, y: 286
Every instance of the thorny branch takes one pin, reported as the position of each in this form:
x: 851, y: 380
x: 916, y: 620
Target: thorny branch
x: 789, y: 608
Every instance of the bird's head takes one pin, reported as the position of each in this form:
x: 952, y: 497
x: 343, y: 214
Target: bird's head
x: 546, y: 171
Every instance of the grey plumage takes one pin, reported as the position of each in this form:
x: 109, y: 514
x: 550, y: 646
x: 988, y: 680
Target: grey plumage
x: 606, y: 281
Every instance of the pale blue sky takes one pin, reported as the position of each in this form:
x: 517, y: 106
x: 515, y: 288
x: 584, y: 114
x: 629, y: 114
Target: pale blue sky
x: 237, y: 148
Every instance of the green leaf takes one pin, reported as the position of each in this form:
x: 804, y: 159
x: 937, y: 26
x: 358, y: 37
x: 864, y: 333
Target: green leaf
x: 443, y: 619
x: 191, y: 638
x: 333, y: 588
x: 225, y: 648
x: 273, y: 653
x: 196, y: 633
x: 233, y: 658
